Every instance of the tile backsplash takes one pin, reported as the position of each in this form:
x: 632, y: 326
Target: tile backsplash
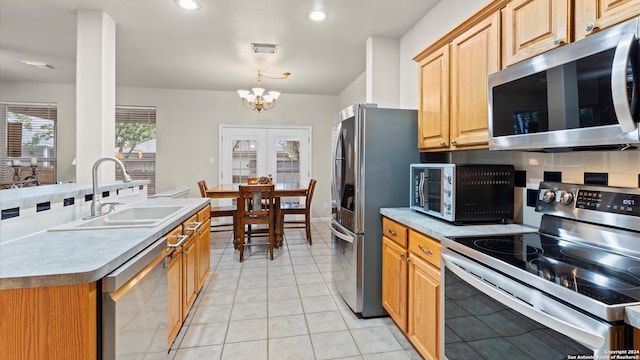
x: 612, y: 168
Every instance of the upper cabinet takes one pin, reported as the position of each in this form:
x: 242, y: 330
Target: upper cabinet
x: 453, y: 85
x: 594, y: 15
x: 532, y: 27
x: 433, y: 117
x: 474, y: 55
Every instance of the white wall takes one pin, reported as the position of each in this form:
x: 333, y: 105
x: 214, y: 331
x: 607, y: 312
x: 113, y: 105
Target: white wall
x: 353, y: 94
x: 187, y: 129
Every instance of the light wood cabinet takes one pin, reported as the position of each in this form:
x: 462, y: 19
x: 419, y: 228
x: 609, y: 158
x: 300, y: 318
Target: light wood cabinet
x: 594, y: 15
x: 411, y: 285
x: 56, y: 322
x: 394, y: 281
x: 531, y: 27
x: 433, y: 116
x: 204, y: 252
x: 453, y: 85
x: 424, y: 294
x: 474, y: 55
x: 174, y: 286
x: 424, y: 307
x: 189, y: 274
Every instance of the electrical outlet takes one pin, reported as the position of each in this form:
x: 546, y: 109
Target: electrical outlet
x: 326, y: 204
x: 211, y: 160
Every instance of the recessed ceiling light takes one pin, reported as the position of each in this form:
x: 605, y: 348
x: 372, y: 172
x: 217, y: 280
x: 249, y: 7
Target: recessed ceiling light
x: 317, y: 15
x: 38, y: 64
x: 188, y: 4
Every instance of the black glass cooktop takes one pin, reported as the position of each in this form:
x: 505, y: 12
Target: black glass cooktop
x: 607, y: 277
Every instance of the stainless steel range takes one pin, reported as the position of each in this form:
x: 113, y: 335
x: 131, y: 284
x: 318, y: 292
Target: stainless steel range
x: 552, y: 294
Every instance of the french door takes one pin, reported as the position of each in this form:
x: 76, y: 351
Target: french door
x: 282, y: 153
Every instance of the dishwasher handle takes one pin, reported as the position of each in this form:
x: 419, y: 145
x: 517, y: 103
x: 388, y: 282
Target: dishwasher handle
x: 127, y: 271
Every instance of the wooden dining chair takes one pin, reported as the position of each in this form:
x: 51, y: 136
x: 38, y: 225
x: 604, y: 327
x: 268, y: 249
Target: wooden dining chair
x: 299, y: 209
x: 217, y: 211
x: 255, y: 207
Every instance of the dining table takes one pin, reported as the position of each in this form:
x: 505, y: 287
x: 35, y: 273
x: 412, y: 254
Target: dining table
x: 280, y: 190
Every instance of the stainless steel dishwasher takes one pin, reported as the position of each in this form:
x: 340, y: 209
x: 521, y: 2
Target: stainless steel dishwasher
x: 134, y: 307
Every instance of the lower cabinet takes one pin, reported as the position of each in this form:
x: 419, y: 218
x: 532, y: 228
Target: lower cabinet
x: 411, y: 285
x: 204, y: 251
x: 189, y: 274
x: 394, y: 281
x: 174, y: 286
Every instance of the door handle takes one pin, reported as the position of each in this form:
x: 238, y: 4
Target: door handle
x: 626, y: 47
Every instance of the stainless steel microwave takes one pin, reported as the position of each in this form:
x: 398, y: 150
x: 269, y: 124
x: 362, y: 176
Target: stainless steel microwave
x: 581, y: 95
x: 463, y: 193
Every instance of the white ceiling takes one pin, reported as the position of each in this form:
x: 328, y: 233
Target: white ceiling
x: 161, y: 45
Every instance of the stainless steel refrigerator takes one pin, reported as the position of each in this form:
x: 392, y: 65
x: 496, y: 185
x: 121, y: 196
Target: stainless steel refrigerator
x: 371, y: 159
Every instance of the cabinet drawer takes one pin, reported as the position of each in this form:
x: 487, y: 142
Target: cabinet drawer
x: 394, y: 231
x: 173, y: 236
x: 204, y: 214
x: 425, y: 247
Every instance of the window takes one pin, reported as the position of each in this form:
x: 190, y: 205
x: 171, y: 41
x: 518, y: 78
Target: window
x: 136, y: 143
x: 28, y: 138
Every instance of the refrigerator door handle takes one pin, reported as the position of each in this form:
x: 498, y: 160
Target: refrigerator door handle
x: 334, y: 183
x: 340, y: 234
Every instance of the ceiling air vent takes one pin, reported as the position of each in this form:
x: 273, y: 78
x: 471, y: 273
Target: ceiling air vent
x: 264, y: 48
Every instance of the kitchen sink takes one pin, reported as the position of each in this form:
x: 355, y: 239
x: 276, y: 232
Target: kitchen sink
x: 132, y: 217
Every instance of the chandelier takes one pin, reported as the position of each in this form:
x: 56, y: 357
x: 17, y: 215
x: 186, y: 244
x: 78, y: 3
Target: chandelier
x: 256, y: 99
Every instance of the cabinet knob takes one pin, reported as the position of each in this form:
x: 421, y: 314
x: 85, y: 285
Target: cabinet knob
x: 454, y: 142
x: 408, y: 260
x: 558, y: 41
x: 442, y: 143
x: 590, y: 26
x: 401, y: 256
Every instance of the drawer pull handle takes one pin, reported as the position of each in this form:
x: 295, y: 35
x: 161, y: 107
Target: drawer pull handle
x: 426, y: 251
x: 393, y: 232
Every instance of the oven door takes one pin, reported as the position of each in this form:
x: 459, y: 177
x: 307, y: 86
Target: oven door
x: 489, y: 316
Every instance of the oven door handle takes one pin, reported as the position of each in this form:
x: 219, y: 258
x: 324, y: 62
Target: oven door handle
x: 584, y: 336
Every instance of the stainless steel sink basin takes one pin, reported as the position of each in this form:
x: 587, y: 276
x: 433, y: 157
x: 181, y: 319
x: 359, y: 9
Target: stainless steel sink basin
x: 132, y: 217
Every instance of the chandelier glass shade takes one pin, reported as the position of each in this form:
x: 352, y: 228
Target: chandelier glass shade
x: 258, y: 98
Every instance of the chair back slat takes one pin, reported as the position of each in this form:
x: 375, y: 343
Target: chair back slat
x: 202, y: 185
x: 255, y: 203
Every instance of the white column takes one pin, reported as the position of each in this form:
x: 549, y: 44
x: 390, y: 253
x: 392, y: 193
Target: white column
x: 383, y: 72
x: 95, y: 93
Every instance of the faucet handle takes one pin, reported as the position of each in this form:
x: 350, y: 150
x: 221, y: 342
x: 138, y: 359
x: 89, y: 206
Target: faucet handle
x: 112, y: 205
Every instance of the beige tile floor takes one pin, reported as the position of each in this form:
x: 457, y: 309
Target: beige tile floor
x: 287, y: 308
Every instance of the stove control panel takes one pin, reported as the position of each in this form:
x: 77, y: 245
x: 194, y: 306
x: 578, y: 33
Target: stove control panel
x: 594, y: 202
x: 617, y: 203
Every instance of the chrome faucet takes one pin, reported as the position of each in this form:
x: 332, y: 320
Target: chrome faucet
x: 96, y: 204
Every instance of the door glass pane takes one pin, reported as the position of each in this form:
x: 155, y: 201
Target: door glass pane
x: 288, y: 165
x: 244, y: 160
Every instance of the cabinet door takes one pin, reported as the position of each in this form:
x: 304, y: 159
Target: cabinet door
x: 174, y: 294
x: 474, y: 55
x: 532, y: 27
x: 594, y: 15
x: 433, y: 117
x: 394, y: 281
x: 204, y: 252
x: 189, y: 274
x: 424, y: 307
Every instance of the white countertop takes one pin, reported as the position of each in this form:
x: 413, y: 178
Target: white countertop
x: 439, y: 229
x: 82, y: 256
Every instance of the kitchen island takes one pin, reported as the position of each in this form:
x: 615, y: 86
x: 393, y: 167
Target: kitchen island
x: 51, y: 282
